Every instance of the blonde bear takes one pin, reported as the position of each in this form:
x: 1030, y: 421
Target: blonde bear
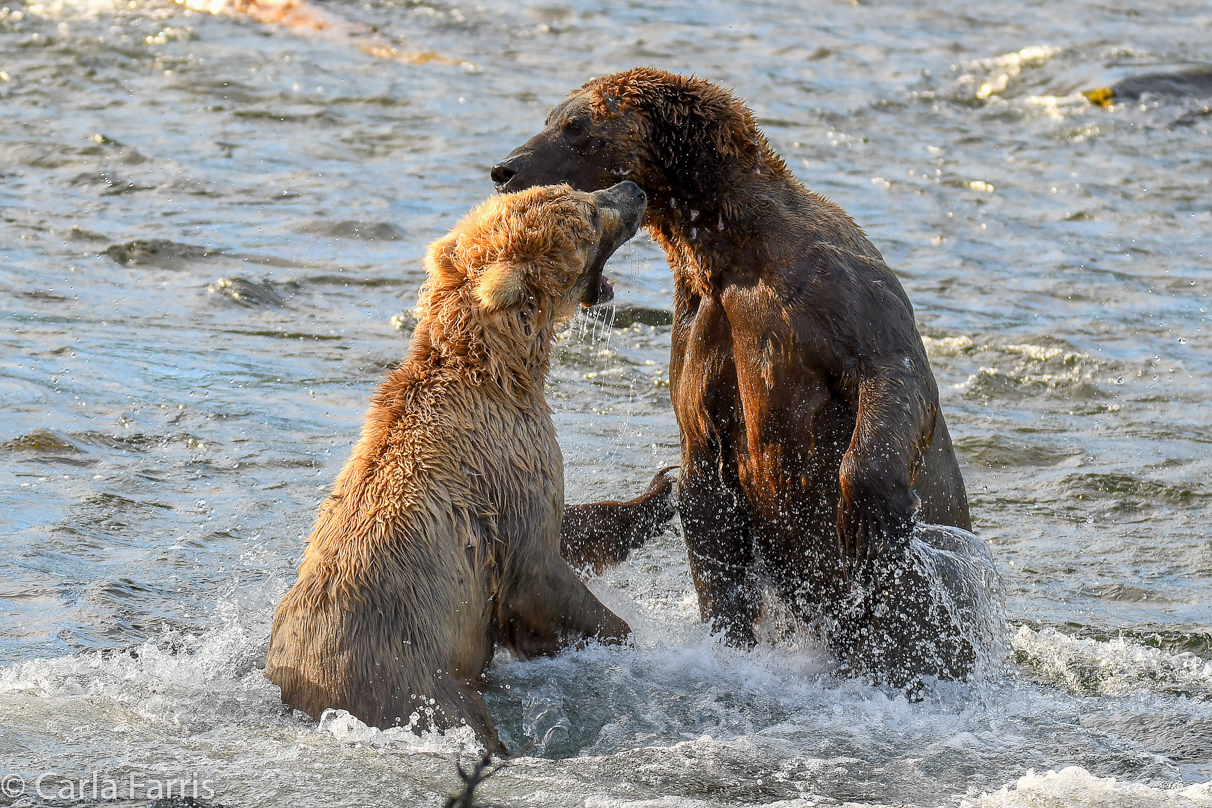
x: 441, y: 538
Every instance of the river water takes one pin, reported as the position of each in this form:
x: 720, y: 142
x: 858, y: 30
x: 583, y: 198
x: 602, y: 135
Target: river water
x: 210, y: 240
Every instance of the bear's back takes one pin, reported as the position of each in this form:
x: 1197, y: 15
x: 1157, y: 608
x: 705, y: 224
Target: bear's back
x: 448, y: 486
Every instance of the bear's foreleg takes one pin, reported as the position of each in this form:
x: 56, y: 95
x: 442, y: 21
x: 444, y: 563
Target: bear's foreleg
x: 940, y: 484
x: 601, y: 535
x: 896, y: 415
x: 549, y: 608
x: 720, y: 549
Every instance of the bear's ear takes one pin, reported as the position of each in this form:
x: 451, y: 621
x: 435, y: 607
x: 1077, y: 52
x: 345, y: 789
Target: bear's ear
x: 441, y: 263
x: 501, y: 285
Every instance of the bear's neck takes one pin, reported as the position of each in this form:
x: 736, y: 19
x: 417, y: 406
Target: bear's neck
x: 515, y: 361
x: 728, y: 220
x: 716, y: 189
x: 719, y: 221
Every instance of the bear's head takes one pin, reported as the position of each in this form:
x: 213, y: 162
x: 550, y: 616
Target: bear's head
x: 539, y: 250
x: 677, y: 137
x: 516, y: 266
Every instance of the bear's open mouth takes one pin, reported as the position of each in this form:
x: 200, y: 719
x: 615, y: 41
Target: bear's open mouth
x: 622, y: 207
x: 605, y: 293
x: 598, y: 288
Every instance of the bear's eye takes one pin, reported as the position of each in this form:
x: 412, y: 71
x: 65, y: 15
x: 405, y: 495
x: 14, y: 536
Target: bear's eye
x: 574, y: 129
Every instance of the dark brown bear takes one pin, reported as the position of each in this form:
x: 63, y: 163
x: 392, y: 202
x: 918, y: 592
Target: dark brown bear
x: 811, y: 432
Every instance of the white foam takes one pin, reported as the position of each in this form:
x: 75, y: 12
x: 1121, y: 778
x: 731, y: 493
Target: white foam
x: 675, y: 699
x: 347, y: 729
x: 195, y: 682
x: 73, y: 9
x: 1117, y: 667
x: 949, y: 346
x: 663, y: 802
x: 1074, y: 787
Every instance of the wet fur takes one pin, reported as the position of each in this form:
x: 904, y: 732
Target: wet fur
x: 441, y: 536
x: 810, y: 427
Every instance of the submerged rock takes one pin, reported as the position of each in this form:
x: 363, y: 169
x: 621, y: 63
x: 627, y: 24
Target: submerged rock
x: 626, y: 316
x: 41, y: 440
x: 1190, y: 83
x: 157, y: 252
x: 365, y: 231
x: 244, y: 292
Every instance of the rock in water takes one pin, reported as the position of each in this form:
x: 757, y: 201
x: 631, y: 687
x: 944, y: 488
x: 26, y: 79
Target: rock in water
x: 244, y: 292
x: 1191, y: 83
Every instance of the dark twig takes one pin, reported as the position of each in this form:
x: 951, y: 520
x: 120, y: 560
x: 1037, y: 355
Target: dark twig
x: 482, y: 771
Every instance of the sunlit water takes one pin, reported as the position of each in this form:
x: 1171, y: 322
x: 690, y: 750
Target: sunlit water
x: 207, y: 227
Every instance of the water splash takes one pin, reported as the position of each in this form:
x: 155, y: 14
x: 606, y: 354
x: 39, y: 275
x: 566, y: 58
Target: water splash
x: 347, y: 729
x: 1074, y: 787
x: 967, y: 588
x: 594, y: 325
x: 544, y: 719
x: 939, y: 615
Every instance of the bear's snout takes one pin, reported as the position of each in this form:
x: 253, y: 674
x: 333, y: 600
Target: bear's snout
x: 628, y: 201
x: 503, y: 172
x: 630, y: 193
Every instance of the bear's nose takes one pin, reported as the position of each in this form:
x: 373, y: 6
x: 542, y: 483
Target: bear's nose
x: 502, y: 173
x: 628, y: 191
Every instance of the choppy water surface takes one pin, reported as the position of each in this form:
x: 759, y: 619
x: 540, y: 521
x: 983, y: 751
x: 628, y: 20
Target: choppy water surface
x: 208, y: 225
